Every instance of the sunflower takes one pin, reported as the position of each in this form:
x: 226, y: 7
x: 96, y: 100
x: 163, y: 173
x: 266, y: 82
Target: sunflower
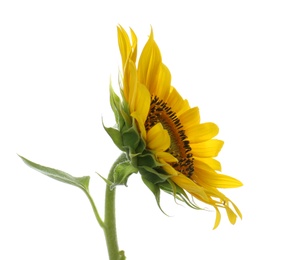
x: 162, y: 135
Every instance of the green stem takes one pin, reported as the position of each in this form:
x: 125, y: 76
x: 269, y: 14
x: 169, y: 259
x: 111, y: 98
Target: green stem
x: 100, y: 221
x: 110, y: 217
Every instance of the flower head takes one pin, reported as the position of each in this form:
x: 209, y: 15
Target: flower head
x: 162, y: 135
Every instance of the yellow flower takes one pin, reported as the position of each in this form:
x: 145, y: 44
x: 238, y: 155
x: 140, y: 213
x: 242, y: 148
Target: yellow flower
x: 173, y: 151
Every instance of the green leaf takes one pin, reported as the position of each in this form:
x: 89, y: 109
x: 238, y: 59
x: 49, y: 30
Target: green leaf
x: 80, y: 182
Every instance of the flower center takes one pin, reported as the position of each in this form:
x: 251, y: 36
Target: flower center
x: 179, y: 146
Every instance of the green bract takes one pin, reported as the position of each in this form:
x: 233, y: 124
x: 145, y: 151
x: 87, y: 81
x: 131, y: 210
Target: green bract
x: 128, y: 139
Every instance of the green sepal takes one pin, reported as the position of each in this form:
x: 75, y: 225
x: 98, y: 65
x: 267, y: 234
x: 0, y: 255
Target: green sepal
x: 127, y: 120
x: 115, y: 136
x: 122, y: 172
x: 131, y: 138
x: 178, y: 193
x: 80, y: 182
x: 141, y: 146
x: 105, y: 180
x: 125, y: 113
x: 148, y: 159
x: 116, y: 107
x: 154, y: 188
x: 153, y: 175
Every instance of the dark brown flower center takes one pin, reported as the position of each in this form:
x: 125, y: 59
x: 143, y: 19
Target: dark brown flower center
x: 180, y: 148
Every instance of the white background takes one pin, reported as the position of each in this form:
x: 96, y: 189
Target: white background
x: 56, y: 60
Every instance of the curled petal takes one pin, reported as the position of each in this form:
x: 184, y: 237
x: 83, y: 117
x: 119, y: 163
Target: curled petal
x: 166, y: 157
x: 157, y: 138
x: 218, y: 218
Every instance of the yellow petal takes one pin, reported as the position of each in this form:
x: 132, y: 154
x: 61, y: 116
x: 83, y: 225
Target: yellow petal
x: 213, y: 163
x: 127, y: 49
x: 167, y: 157
x: 231, y: 215
x: 142, y: 101
x: 202, y: 132
x: 176, y: 102
x: 124, y: 44
x: 133, y: 56
x: 218, y: 218
x: 137, y: 96
x: 188, y: 185
x: 236, y: 209
x: 210, y: 148
x: 204, y: 174
x: 137, y: 116
x: 149, y: 64
x: 130, y: 84
x: 162, y: 82
x: 190, y: 118
x: 168, y: 168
